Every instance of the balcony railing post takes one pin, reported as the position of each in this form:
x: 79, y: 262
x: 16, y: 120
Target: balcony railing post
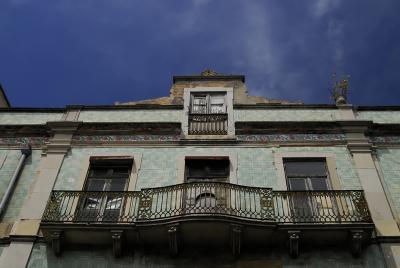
x: 266, y: 204
x: 145, y: 202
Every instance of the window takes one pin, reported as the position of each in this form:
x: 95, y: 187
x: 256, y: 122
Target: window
x: 105, y: 181
x: 208, y: 104
x: 207, y: 170
x: 306, y: 174
x: 205, y: 194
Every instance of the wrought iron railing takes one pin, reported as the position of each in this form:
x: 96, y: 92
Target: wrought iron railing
x: 320, y: 206
x: 208, y: 199
x: 208, y: 124
x: 84, y: 206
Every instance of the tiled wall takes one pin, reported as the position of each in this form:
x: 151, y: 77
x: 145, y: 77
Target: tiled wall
x: 392, y: 117
x: 19, y: 118
x: 8, y: 162
x: 255, y: 166
x: 131, y: 116
x: 389, y: 162
x: 286, y: 115
x: 43, y: 257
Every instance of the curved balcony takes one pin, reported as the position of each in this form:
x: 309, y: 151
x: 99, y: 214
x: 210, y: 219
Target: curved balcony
x: 205, y: 209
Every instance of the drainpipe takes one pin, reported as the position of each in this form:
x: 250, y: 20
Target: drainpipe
x: 7, y: 195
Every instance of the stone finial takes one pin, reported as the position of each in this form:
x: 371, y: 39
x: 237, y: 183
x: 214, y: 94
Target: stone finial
x: 209, y: 72
x: 340, y: 89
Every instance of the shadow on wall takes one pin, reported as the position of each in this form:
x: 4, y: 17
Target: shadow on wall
x: 42, y: 257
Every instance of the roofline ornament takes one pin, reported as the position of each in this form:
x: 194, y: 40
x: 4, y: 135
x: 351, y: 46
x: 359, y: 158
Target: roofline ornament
x: 340, y: 89
x: 209, y: 72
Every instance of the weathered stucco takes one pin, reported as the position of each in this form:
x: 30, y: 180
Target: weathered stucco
x: 8, y: 162
x: 131, y: 116
x: 389, y: 162
x: 383, y: 117
x: 286, y: 115
x: 22, y: 118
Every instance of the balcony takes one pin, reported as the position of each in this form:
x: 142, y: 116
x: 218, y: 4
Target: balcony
x: 208, y: 124
x: 207, y: 211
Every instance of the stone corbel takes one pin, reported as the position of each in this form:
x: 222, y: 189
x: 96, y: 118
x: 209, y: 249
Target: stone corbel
x: 56, y: 241
x: 294, y: 239
x: 62, y: 132
x: 357, y: 141
x: 173, y: 239
x: 356, y: 237
x: 116, y: 236
x: 236, y: 239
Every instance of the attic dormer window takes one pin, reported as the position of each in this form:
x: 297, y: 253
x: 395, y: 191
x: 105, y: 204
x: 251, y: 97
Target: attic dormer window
x: 208, y: 104
x: 208, y: 115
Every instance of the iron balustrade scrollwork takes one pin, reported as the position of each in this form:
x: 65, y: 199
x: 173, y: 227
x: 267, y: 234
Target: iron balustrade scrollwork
x: 213, y: 199
x: 91, y: 206
x: 338, y: 206
x: 208, y: 198
x: 208, y: 124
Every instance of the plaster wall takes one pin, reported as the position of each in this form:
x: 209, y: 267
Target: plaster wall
x: 131, y: 116
x: 22, y: 118
x: 389, y: 163
x: 383, y: 117
x: 8, y: 162
x: 286, y: 115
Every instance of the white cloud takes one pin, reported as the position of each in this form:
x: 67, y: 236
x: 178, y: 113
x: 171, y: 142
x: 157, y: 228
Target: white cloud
x: 322, y: 7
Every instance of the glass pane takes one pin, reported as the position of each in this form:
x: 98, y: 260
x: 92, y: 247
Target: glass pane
x: 305, y: 168
x: 207, y: 169
x: 217, y: 109
x: 319, y: 184
x: 98, y: 171
x: 117, y: 185
x: 121, y: 171
x: 199, y: 105
x: 297, y: 184
x: 114, y: 203
x: 217, y: 99
x: 94, y: 184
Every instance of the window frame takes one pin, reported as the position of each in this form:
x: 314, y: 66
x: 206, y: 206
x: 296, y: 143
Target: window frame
x: 208, y: 177
x: 208, y: 96
x: 330, y: 159
x: 228, y: 91
x: 306, y: 177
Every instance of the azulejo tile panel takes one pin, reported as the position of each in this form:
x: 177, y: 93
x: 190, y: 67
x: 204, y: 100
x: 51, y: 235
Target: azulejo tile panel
x: 385, y: 139
x: 292, y: 137
x: 124, y: 138
x: 24, y: 141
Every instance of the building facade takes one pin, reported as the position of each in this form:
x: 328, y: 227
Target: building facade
x: 206, y: 177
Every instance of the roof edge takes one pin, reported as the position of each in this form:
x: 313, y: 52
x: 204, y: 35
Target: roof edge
x: 207, y: 78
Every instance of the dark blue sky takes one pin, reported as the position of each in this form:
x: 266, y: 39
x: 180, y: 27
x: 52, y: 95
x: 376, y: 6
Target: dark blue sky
x: 59, y: 52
